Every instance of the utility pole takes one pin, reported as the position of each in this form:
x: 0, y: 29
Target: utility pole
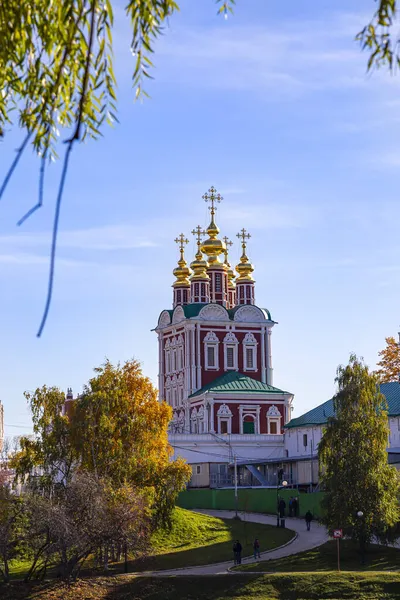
x: 236, y: 484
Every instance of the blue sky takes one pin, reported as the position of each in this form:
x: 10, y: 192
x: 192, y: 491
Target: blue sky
x: 275, y: 109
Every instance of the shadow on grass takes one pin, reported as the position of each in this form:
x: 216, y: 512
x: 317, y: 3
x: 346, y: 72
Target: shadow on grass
x: 324, y: 558
x: 300, y: 586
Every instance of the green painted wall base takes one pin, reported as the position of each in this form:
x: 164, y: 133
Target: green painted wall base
x: 251, y: 500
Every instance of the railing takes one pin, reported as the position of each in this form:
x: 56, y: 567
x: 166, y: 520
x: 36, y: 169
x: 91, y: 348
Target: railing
x: 228, y: 439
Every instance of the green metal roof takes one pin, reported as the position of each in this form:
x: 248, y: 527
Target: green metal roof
x: 192, y: 310
x: 237, y: 383
x: 320, y: 414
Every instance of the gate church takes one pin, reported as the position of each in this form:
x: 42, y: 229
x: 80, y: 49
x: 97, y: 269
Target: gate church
x: 215, y: 359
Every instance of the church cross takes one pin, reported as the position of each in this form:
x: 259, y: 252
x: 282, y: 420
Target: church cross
x: 181, y: 241
x: 212, y: 197
x: 198, y: 232
x: 227, y: 241
x: 244, y: 235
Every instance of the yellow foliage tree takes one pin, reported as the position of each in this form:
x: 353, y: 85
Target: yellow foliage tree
x: 389, y: 365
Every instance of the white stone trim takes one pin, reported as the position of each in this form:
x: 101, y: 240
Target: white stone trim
x: 211, y: 341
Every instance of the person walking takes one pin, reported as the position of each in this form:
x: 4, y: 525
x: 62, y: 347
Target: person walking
x: 291, y: 506
x: 235, y: 552
x: 282, y: 506
x: 295, y: 506
x: 256, y: 548
x: 238, y: 552
x: 308, y: 517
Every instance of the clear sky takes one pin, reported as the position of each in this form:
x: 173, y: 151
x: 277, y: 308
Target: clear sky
x: 273, y: 107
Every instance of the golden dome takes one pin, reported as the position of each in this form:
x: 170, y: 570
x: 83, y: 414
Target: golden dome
x: 199, y: 265
x: 182, y: 271
x: 231, y: 274
x: 212, y: 247
x: 244, y: 268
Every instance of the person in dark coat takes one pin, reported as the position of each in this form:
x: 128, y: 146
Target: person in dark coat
x: 295, y: 507
x: 256, y: 548
x: 291, y: 506
x: 235, y: 552
x: 308, y: 517
x: 238, y: 552
x: 282, y: 506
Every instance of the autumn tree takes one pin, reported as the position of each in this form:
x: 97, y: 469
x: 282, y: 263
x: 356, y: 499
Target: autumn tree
x: 48, y: 457
x: 120, y: 432
x: 355, y: 473
x: 389, y: 365
x: 117, y: 431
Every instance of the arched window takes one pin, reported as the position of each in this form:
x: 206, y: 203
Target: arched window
x: 249, y: 425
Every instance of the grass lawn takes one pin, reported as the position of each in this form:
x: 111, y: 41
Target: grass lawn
x: 300, y: 586
x: 195, y: 539
x: 324, y: 558
x: 198, y: 539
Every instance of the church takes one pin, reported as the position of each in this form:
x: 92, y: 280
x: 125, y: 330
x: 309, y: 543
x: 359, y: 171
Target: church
x: 215, y: 360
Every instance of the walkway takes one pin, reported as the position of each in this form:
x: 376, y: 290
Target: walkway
x: 304, y: 540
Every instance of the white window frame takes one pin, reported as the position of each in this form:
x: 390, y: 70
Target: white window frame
x: 211, y: 341
x: 230, y: 341
x: 250, y: 343
x: 224, y: 414
x: 274, y: 416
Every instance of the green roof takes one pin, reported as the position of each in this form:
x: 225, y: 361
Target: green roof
x: 192, y: 310
x: 320, y: 414
x: 237, y: 383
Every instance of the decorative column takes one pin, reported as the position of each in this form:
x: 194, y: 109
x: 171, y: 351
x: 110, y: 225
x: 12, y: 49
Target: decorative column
x: 187, y: 365
x: 263, y: 369
x: 212, y: 427
x: 269, y: 357
x: 160, y: 368
x: 192, y: 359
x: 258, y: 430
x: 198, y: 359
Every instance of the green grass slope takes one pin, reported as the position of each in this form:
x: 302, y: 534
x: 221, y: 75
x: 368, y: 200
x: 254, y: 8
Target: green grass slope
x: 324, y: 558
x: 197, y: 539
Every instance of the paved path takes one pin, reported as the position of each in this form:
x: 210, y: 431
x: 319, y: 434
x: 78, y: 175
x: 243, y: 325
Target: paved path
x: 304, y: 540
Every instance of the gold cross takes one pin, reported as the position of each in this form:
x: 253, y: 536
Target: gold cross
x: 227, y: 241
x: 181, y: 240
x: 212, y: 196
x: 244, y: 235
x: 198, y: 232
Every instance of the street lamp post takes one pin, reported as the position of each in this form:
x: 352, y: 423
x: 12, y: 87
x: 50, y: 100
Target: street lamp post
x: 278, y: 487
x: 360, y: 515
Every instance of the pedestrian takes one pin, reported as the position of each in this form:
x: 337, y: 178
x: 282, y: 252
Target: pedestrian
x: 256, y: 548
x: 238, y: 552
x: 308, y: 519
x: 295, y: 506
x: 235, y: 552
x: 291, y: 506
x: 282, y: 506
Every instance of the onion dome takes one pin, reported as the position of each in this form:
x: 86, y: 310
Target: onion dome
x: 212, y: 247
x: 199, y: 266
x: 244, y: 268
x: 182, y: 272
x: 231, y: 274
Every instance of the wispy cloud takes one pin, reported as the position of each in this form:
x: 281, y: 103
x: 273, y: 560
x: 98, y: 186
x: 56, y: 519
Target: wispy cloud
x: 301, y: 57
x: 118, y: 237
